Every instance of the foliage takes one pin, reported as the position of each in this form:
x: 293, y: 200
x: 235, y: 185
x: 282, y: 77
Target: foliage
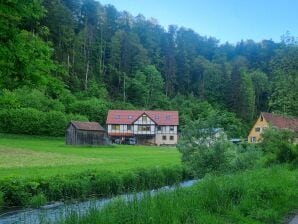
x: 25, y: 58
x: 94, y: 109
x: 192, y: 109
x: 35, y: 192
x: 205, y: 149
x: 38, y: 200
x: 34, y: 122
x: 79, y: 57
x: 278, y: 146
x: 258, y: 196
x: 1, y: 201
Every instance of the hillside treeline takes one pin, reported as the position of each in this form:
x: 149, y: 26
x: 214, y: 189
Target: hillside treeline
x: 83, y: 58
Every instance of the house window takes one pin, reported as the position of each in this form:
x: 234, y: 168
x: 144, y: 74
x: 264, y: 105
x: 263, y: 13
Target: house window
x: 115, y: 127
x: 253, y: 139
x: 128, y: 127
x: 164, y: 137
x: 158, y: 128
x: 144, y: 128
x: 144, y: 118
x: 171, y: 128
x: 172, y: 138
x: 257, y: 129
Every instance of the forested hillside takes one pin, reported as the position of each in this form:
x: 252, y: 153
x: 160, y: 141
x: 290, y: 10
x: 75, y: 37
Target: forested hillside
x: 72, y: 59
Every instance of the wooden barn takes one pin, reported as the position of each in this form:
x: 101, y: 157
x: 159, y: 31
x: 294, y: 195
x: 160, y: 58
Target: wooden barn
x: 85, y: 133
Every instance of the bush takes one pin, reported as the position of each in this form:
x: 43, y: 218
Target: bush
x: 1, y: 200
x: 205, y: 150
x: 278, y: 146
x: 257, y: 196
x: 34, y: 192
x: 33, y: 122
x: 38, y: 200
x: 94, y: 109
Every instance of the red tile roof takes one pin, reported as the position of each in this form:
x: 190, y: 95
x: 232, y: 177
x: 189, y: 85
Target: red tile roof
x: 130, y: 116
x: 280, y: 121
x: 87, y: 126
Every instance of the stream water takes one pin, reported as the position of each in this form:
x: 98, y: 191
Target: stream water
x: 54, y: 212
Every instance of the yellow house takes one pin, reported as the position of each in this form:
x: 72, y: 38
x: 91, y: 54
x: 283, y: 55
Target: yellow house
x: 273, y: 120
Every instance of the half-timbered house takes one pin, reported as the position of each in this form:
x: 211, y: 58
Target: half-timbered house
x: 148, y: 127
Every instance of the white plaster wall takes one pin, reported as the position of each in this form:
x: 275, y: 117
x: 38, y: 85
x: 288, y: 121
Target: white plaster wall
x: 160, y: 141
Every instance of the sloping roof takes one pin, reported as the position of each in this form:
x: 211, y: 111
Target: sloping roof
x: 130, y: 116
x: 280, y: 121
x: 87, y: 126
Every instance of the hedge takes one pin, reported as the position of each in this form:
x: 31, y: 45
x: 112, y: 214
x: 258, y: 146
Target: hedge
x: 34, y: 122
x: 22, y: 191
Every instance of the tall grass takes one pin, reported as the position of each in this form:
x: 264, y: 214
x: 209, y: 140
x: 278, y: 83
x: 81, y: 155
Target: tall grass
x: 26, y: 191
x: 256, y: 196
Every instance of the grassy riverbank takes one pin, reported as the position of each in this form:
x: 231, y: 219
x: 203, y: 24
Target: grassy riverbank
x: 256, y: 196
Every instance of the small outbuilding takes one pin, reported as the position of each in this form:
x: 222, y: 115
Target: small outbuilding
x: 85, y: 133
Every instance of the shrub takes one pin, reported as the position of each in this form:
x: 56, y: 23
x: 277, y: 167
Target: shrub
x: 54, y: 124
x: 203, y: 152
x: 94, y: 109
x: 256, y: 196
x: 278, y: 146
x: 34, y: 192
x: 15, y: 192
x: 21, y: 121
x: 33, y: 122
x: 9, y: 100
x: 1, y: 200
x: 38, y: 200
x: 34, y: 98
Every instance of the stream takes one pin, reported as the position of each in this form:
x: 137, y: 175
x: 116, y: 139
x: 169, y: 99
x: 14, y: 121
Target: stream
x: 54, y: 212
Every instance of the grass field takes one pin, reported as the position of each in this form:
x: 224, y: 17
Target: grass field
x: 31, y: 156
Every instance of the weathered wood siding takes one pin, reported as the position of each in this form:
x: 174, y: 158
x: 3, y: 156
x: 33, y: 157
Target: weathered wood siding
x: 82, y: 137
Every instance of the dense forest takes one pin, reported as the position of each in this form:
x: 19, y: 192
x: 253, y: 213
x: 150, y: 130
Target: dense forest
x: 75, y: 59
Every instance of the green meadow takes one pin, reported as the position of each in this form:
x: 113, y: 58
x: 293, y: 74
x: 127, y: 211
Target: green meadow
x: 34, y: 156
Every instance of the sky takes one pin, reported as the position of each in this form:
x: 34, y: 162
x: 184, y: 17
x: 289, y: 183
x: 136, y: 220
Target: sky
x: 226, y: 20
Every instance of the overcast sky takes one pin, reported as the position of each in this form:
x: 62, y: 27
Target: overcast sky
x: 227, y: 20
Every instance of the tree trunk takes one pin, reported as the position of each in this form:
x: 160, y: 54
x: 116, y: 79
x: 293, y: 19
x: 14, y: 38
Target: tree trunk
x: 124, y: 94
x: 86, y: 76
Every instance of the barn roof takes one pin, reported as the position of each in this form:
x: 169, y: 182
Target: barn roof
x: 280, y: 121
x: 87, y: 126
x: 130, y: 116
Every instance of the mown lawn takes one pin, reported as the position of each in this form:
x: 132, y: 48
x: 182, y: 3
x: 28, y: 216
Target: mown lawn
x: 31, y: 156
